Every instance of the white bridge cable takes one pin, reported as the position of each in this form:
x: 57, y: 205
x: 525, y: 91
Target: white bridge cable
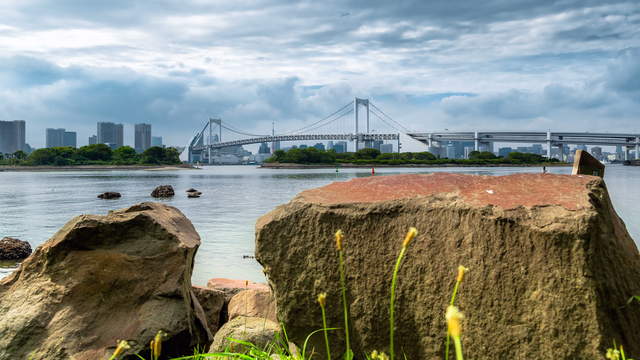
x: 305, y: 128
x: 404, y: 129
x: 227, y: 127
x: 350, y: 111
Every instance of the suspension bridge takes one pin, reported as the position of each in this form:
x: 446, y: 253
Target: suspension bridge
x: 368, y: 125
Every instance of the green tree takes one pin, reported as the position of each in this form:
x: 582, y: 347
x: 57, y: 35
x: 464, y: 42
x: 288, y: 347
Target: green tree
x: 96, y: 152
x: 367, y: 154
x: 45, y: 156
x: 20, y: 155
x: 171, y: 156
x: 425, y: 155
x: 125, y: 155
x: 482, y: 155
x: 153, y: 155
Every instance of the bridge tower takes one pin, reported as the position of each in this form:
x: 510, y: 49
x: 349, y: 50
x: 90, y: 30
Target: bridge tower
x: 356, y: 111
x: 211, y: 141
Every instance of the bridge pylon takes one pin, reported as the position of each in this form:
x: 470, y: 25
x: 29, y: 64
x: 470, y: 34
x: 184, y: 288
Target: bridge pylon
x: 356, y: 111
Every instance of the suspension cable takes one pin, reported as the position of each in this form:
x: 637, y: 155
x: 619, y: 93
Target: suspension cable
x: 405, y: 130
x: 304, y: 128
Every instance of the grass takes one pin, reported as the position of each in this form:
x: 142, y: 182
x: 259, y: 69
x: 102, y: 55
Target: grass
x: 281, y: 348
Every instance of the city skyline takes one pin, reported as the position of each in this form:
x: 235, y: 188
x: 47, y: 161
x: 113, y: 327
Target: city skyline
x: 568, y: 66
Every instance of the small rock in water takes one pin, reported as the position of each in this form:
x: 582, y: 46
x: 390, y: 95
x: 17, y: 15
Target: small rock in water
x: 14, y: 249
x: 194, y: 194
x: 163, y: 191
x: 192, y: 190
x: 109, y: 195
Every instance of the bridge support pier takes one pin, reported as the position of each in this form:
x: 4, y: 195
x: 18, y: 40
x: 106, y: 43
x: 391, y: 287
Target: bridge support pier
x: 561, y: 150
x: 637, y: 147
x: 476, y: 142
x: 548, y: 144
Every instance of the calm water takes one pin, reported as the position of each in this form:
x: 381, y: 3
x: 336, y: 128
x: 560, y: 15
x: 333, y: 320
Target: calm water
x: 34, y: 205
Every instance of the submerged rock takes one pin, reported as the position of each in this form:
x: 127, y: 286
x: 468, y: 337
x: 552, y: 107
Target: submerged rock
x: 552, y: 265
x: 109, y: 195
x: 257, y: 331
x: 163, y: 191
x: 14, y: 249
x: 125, y: 275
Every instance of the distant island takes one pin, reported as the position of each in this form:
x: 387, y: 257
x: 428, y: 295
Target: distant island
x: 312, y: 157
x: 92, y: 155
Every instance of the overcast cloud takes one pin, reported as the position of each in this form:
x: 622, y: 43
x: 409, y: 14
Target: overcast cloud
x: 564, y: 65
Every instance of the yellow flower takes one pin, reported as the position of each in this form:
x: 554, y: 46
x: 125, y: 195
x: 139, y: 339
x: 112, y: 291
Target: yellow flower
x: 156, y: 344
x: 122, y: 346
x: 461, y: 271
x: 410, y: 235
x: 613, y: 354
x: 379, y: 356
x: 339, y: 237
x: 322, y: 299
x: 454, y: 318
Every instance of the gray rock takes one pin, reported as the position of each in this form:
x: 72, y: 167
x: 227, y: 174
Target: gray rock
x: 163, y: 191
x: 109, y: 195
x: 258, y: 331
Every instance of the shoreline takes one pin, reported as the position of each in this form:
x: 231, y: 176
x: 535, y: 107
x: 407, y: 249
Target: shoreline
x: 38, y: 168
x: 356, y: 166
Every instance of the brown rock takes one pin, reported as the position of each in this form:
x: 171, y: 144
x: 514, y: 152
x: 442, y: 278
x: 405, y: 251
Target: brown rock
x: 125, y: 275
x: 552, y: 265
x: 585, y: 164
x: 212, y: 302
x: 14, y: 249
x: 109, y: 195
x: 257, y: 331
x: 163, y: 191
x: 231, y: 287
x: 254, y: 303
x: 194, y: 194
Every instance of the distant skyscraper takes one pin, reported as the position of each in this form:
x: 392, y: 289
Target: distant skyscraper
x: 12, y: 136
x: 70, y: 139
x: 110, y: 133
x: 55, y: 137
x: 93, y: 140
x: 504, y: 151
x: 264, y: 148
x: 143, y: 137
x: 340, y: 146
x: 156, y: 141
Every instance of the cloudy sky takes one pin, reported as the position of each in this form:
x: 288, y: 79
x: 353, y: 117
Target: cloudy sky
x: 494, y: 64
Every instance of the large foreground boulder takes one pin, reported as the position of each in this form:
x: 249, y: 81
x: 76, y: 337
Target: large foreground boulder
x: 254, y: 303
x: 125, y: 275
x: 552, y: 265
x: 14, y: 249
x: 255, y: 330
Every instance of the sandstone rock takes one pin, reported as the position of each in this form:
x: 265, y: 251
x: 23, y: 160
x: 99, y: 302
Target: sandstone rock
x: 552, y: 265
x: 125, y: 275
x: 254, y: 303
x: 212, y: 302
x: 255, y: 330
x: 14, y: 249
x: 163, y: 191
x: 109, y: 195
x: 230, y: 287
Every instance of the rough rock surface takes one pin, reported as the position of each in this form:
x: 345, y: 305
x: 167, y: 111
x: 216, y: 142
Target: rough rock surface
x: 253, y: 302
x: 552, y: 265
x: 125, y: 275
x: 258, y: 331
x: 163, y: 191
x: 109, y: 195
x: 14, y: 249
x: 230, y: 287
x: 194, y: 194
x: 212, y: 302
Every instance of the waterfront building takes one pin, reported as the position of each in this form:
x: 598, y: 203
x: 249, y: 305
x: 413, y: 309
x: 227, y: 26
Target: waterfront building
x: 54, y: 137
x: 303, y: 146
x: 264, y: 149
x: 70, y: 139
x: 93, y: 140
x: 111, y: 134
x: 12, y: 136
x: 156, y: 141
x: 386, y: 148
x: 340, y: 146
x: 319, y: 146
x: 142, y: 137
x: 504, y: 151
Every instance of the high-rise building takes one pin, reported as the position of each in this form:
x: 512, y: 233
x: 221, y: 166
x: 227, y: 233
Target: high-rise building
x: 12, y: 136
x: 340, y: 146
x: 156, y: 141
x: 110, y: 133
x: 143, y: 137
x: 55, y: 137
x: 264, y: 148
x: 504, y: 151
x: 70, y: 139
x: 93, y: 140
x: 319, y: 146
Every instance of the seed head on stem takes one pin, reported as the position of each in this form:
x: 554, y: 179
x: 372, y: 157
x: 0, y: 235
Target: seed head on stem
x: 322, y: 299
x: 339, y: 237
x: 411, y: 234
x: 454, y: 318
x: 461, y: 271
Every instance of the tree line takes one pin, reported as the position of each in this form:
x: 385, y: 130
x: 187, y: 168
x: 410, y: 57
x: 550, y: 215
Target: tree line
x: 96, y: 154
x: 373, y: 156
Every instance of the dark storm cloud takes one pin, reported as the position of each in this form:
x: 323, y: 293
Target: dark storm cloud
x: 175, y: 63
